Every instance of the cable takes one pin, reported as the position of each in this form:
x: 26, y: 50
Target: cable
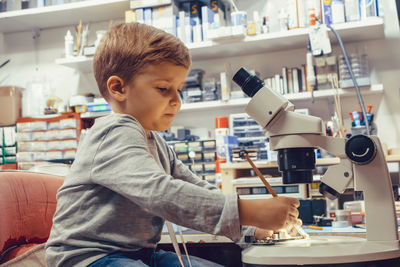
x: 4, y: 63
x: 234, y: 5
x: 346, y: 58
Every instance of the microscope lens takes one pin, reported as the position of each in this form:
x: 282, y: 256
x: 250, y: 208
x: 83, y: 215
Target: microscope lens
x: 296, y: 165
x: 249, y: 83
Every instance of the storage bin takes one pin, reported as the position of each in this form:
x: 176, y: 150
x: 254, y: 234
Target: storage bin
x: 10, y: 104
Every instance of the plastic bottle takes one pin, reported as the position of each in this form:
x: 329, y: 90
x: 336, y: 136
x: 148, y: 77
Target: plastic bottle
x: 338, y: 11
x: 99, y: 36
x: 69, y: 44
x: 283, y: 20
x: 310, y: 67
x: 221, y: 130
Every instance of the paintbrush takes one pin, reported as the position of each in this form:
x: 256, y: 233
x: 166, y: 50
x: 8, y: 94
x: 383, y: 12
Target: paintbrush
x: 243, y: 153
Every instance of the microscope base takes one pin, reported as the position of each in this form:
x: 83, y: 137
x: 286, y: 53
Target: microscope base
x: 321, y: 250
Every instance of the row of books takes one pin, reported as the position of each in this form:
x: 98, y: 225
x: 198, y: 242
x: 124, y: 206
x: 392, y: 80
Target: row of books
x: 291, y: 80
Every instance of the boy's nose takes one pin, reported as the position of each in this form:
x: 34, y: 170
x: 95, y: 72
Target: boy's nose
x: 175, y: 98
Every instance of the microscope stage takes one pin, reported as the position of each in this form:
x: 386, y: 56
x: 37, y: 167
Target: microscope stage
x: 321, y: 250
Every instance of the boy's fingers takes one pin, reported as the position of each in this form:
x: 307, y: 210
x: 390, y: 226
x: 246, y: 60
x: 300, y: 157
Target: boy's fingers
x: 294, y: 212
x: 295, y: 202
x: 291, y: 220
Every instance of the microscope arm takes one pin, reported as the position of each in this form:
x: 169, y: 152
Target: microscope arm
x: 362, y: 165
x: 362, y: 162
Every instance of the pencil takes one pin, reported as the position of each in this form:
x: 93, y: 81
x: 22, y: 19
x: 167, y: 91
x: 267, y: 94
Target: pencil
x: 299, y: 229
x: 315, y: 227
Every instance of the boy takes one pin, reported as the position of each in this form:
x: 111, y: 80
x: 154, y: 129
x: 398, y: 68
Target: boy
x: 125, y: 180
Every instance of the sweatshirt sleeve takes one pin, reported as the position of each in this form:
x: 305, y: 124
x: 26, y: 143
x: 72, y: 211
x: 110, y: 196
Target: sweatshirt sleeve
x: 124, y: 165
x: 181, y: 171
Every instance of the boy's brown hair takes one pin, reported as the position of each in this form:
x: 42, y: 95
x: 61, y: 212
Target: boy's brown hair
x: 129, y: 47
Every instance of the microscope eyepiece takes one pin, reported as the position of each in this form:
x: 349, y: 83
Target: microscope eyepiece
x: 249, y: 83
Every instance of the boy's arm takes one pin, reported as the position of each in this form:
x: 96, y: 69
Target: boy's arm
x: 181, y: 171
x: 123, y: 164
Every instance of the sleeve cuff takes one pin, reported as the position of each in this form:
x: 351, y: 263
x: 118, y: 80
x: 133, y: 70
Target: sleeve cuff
x: 231, y: 215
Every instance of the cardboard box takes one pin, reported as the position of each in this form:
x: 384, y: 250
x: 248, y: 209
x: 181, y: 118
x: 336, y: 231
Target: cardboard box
x: 10, y: 104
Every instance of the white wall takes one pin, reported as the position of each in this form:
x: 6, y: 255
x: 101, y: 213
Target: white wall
x: 64, y: 82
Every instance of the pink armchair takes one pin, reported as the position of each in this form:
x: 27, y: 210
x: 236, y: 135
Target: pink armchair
x: 27, y: 205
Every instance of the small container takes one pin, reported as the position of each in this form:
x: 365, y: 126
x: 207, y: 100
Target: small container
x: 340, y: 224
x: 338, y: 11
x: 10, y: 104
x: 69, y: 44
x: 239, y: 18
x: 258, y: 21
x: 99, y: 35
x: 343, y: 218
x: 251, y: 28
x: 265, y: 25
x: 283, y: 20
x: 352, y: 10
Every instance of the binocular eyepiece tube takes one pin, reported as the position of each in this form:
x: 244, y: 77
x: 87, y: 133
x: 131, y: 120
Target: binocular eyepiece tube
x: 296, y: 164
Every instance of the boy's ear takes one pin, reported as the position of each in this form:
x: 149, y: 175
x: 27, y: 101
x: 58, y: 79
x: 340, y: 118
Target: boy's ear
x: 116, y: 88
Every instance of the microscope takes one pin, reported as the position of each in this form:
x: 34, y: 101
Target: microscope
x: 362, y: 167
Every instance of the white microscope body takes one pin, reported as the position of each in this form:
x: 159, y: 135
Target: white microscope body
x: 362, y: 167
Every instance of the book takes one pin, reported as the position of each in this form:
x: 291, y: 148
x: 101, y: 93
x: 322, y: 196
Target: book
x: 295, y: 77
x: 148, y: 16
x: 284, y: 78
x: 303, y: 78
x: 290, y: 81
x: 278, y: 84
x: 139, y: 13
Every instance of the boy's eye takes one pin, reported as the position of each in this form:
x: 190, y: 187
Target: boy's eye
x: 162, y: 89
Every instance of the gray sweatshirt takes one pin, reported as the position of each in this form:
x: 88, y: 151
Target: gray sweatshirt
x: 120, y: 189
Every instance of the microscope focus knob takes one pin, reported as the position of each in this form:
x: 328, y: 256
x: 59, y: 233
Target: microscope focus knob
x: 360, y: 149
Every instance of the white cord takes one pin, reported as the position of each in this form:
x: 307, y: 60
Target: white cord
x: 174, y: 242
x: 184, y: 245
x: 234, y: 6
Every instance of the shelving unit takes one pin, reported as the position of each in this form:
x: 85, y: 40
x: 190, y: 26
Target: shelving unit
x: 297, y: 38
x: 242, y: 102
x: 62, y: 15
x: 232, y: 171
x: 320, y: 94
x: 372, y: 28
x: 274, y: 164
x: 80, y: 63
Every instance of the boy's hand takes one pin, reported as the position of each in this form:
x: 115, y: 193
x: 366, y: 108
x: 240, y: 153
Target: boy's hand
x: 274, y: 213
x: 261, y: 234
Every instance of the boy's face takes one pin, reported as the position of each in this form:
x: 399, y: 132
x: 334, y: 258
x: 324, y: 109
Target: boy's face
x: 153, y: 96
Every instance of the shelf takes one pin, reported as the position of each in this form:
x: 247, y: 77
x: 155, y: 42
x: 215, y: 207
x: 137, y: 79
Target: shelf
x: 274, y: 164
x: 93, y: 115
x: 242, y: 102
x: 372, y: 28
x: 219, y: 104
x: 319, y: 94
x: 326, y: 93
x: 82, y: 63
x: 62, y: 15
x: 351, y: 31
